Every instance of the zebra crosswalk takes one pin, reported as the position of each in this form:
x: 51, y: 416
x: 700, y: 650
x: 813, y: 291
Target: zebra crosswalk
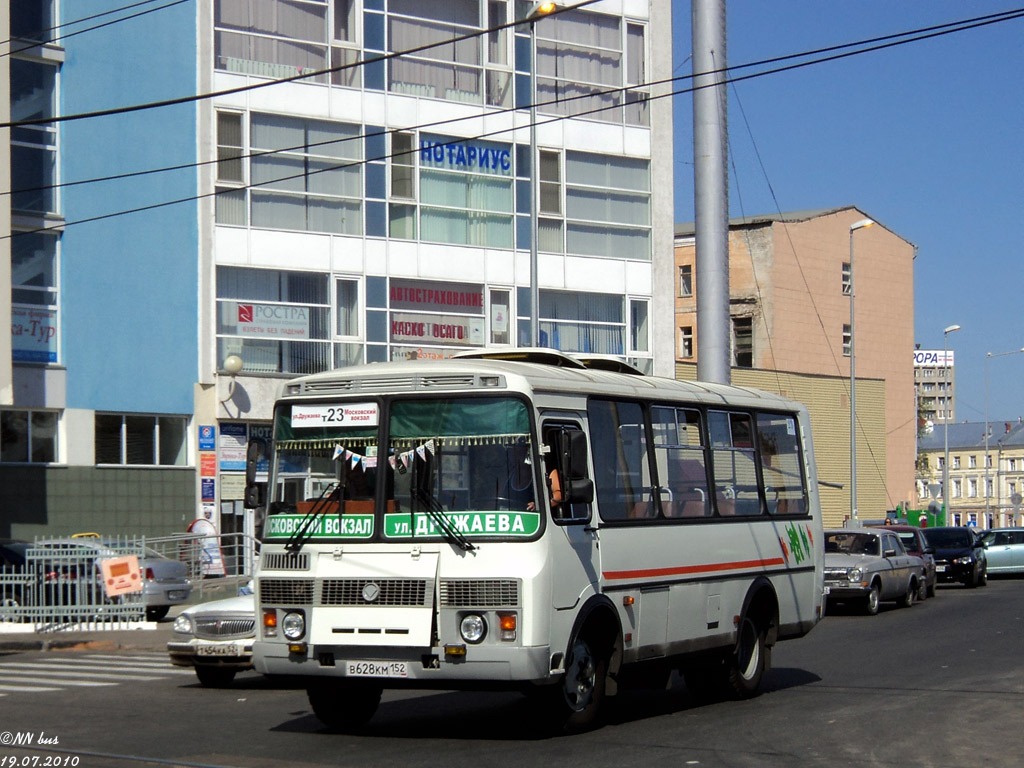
x: 88, y: 670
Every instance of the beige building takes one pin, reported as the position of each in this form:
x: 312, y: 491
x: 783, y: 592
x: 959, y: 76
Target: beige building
x: 986, y: 477
x: 790, y: 304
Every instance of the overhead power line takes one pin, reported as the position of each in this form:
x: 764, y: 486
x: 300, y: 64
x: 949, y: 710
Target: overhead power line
x: 33, y: 45
x: 292, y: 78
x: 892, y: 40
x: 887, y: 41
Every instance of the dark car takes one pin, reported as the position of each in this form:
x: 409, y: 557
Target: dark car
x: 12, y: 577
x: 916, y: 544
x: 959, y: 555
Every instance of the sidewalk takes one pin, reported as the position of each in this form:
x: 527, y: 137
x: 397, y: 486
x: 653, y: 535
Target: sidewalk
x: 150, y: 636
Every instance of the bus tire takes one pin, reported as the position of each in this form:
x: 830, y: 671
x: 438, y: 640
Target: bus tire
x: 746, y: 664
x: 574, y: 704
x: 344, y: 705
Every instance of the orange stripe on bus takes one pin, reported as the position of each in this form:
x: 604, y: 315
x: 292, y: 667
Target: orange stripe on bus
x: 684, y: 570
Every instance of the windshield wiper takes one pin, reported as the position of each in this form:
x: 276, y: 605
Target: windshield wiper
x: 436, y: 512
x: 305, y: 530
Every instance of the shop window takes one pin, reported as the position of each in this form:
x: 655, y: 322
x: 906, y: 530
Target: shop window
x: 277, y: 321
x: 141, y: 440
x: 28, y: 436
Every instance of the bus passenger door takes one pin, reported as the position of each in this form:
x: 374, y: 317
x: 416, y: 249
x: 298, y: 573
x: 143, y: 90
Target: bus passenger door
x: 575, y: 564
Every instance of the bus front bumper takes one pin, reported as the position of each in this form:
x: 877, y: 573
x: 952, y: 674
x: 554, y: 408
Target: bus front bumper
x: 398, y: 667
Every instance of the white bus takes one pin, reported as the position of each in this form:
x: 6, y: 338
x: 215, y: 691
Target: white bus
x: 532, y: 521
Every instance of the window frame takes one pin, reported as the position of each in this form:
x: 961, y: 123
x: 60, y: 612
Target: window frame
x: 156, y: 444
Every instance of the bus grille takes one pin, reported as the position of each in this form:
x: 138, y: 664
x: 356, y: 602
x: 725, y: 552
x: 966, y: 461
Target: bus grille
x: 286, y: 591
x: 495, y: 593
x: 391, y: 592
x: 286, y: 561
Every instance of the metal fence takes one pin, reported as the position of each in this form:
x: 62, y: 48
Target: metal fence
x: 61, y: 584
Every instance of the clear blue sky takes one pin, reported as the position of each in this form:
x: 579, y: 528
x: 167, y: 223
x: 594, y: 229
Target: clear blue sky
x: 926, y: 137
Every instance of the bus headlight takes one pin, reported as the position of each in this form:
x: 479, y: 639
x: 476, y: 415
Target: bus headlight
x: 473, y: 628
x: 293, y: 625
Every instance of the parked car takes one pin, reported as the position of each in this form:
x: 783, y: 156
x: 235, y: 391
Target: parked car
x: 216, y: 639
x: 1004, y: 550
x: 915, y: 543
x: 959, y: 555
x: 165, y: 581
x: 12, y: 587
x: 869, y: 566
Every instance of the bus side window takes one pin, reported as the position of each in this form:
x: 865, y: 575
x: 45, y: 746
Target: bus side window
x: 557, y: 486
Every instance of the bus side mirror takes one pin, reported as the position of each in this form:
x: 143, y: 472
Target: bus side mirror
x: 255, y: 452
x: 577, y: 488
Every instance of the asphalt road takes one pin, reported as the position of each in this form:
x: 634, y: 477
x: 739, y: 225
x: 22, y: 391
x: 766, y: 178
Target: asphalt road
x: 940, y: 684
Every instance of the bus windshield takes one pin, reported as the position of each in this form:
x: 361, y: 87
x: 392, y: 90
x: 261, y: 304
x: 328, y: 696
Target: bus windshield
x: 451, y: 468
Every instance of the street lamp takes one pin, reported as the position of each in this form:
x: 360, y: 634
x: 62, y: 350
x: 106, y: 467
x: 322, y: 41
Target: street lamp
x: 537, y: 11
x: 862, y: 224
x: 945, y: 419
x: 987, y: 356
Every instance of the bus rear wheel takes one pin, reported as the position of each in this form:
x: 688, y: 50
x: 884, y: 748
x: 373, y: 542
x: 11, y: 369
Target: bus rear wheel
x: 344, y: 705
x: 746, y: 664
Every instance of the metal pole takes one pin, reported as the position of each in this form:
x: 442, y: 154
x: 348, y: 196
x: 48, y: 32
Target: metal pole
x: 987, y: 356
x: 945, y: 428
x: 945, y: 421
x: 853, y: 395
x: 711, y: 191
x: 862, y: 224
x: 534, y: 192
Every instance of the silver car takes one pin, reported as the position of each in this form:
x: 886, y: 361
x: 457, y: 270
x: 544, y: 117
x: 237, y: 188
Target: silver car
x: 165, y: 581
x: 216, y: 639
x: 1004, y: 550
x: 868, y: 566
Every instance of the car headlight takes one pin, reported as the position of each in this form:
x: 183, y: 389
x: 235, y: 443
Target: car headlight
x: 854, y: 574
x: 293, y: 625
x: 473, y: 628
x: 965, y: 560
x: 183, y: 624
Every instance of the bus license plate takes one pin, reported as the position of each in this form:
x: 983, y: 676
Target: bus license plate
x: 376, y: 669
x: 217, y: 650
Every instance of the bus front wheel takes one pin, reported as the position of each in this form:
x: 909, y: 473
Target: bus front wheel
x: 573, y: 704
x: 344, y: 705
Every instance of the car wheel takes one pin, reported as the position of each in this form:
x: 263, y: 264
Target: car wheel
x: 931, y: 589
x: 872, y: 600
x: 215, y: 677
x: 922, y: 591
x: 344, y: 705
x: 157, y: 612
x: 983, y: 578
x: 907, y: 599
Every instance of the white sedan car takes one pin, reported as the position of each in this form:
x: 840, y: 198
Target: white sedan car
x: 216, y: 638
